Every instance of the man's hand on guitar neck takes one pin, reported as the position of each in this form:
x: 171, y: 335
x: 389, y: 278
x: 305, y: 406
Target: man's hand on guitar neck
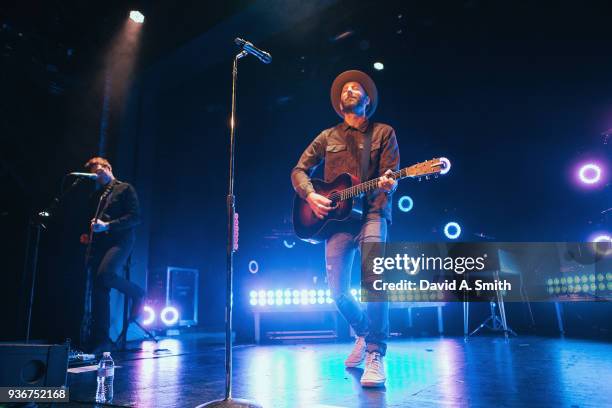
x: 319, y: 204
x: 386, y: 183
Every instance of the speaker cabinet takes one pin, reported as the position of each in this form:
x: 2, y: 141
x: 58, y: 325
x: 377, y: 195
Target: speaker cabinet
x: 33, y: 365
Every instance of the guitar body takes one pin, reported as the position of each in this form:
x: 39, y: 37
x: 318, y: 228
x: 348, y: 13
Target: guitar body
x: 315, y: 230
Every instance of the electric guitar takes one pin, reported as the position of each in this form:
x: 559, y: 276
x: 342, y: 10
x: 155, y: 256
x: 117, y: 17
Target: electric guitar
x: 342, y: 192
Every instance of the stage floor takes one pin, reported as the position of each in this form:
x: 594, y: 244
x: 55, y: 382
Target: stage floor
x: 439, y: 372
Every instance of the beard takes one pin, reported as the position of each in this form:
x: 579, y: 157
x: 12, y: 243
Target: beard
x: 353, y: 105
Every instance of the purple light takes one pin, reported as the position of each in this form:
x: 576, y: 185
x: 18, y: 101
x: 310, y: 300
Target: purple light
x: 169, y: 315
x: 589, y: 173
x: 150, y: 313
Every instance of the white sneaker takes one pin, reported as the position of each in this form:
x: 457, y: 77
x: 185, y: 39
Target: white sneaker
x: 374, y: 373
x: 358, y: 354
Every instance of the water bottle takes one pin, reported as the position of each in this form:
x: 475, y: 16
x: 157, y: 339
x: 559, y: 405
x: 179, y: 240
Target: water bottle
x: 106, y: 373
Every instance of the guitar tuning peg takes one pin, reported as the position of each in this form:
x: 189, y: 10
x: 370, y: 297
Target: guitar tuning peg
x: 426, y: 177
x: 436, y: 176
x: 419, y: 178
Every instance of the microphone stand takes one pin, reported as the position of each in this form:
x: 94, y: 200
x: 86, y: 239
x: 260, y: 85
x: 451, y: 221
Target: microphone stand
x: 228, y: 401
x: 36, y: 225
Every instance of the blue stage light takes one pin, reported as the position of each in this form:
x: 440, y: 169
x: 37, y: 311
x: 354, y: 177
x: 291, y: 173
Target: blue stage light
x: 405, y: 203
x: 253, y: 294
x: 253, y: 301
x: 452, y: 230
x: 253, y: 266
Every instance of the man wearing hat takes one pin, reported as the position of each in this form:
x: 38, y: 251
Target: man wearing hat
x: 366, y: 150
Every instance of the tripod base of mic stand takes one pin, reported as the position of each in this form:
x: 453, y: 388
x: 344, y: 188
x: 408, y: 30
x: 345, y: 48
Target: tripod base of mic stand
x: 121, y: 341
x: 230, y: 403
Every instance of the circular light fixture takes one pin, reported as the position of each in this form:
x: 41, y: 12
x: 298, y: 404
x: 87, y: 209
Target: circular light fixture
x: 150, y: 315
x: 589, y: 173
x: 169, y: 315
x: 447, y: 165
x: 452, y: 230
x: 253, y: 266
x: 379, y: 66
x: 405, y: 203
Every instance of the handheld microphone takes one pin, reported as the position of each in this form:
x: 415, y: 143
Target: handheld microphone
x: 90, y: 176
x: 247, y: 46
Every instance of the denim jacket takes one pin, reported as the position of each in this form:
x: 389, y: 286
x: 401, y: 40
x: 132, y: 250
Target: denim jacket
x: 330, y: 146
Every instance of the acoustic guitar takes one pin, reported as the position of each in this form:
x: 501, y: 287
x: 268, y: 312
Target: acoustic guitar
x: 344, y: 192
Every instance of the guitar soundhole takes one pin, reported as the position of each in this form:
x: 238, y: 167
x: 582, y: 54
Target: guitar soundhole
x: 334, y: 204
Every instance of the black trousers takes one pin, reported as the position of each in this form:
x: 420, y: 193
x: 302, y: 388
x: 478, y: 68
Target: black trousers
x: 107, y: 264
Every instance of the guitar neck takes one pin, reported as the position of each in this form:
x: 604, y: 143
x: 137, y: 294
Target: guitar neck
x: 365, y: 187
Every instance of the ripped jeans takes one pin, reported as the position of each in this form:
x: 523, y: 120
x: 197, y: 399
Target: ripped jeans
x: 340, y: 251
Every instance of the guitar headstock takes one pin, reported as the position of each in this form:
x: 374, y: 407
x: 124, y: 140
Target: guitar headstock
x: 436, y: 166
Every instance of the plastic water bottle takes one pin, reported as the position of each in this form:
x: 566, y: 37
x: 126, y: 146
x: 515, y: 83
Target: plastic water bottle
x: 106, y: 374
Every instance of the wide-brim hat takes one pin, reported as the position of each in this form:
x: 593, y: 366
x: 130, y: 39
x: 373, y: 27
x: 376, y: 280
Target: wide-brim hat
x: 354, y: 76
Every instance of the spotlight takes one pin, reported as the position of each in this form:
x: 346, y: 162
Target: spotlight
x: 405, y: 203
x: 137, y: 16
x: 452, y: 230
x: 379, y: 66
x: 589, y: 173
x: 169, y: 315
x: 150, y: 315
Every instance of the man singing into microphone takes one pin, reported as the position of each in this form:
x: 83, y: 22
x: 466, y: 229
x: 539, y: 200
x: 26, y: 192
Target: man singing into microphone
x: 116, y: 213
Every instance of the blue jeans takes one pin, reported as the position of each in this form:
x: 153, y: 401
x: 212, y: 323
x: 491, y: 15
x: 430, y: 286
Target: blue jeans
x: 340, y: 251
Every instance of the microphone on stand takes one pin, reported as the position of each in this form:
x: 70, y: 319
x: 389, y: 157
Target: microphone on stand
x: 247, y: 46
x: 90, y: 176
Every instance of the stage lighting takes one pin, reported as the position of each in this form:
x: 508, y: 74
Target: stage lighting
x: 136, y: 16
x: 253, y: 301
x: 253, y: 267
x: 447, y: 165
x: 169, y: 315
x: 589, y: 173
x: 405, y: 203
x: 379, y: 66
x: 452, y: 230
x: 150, y: 316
